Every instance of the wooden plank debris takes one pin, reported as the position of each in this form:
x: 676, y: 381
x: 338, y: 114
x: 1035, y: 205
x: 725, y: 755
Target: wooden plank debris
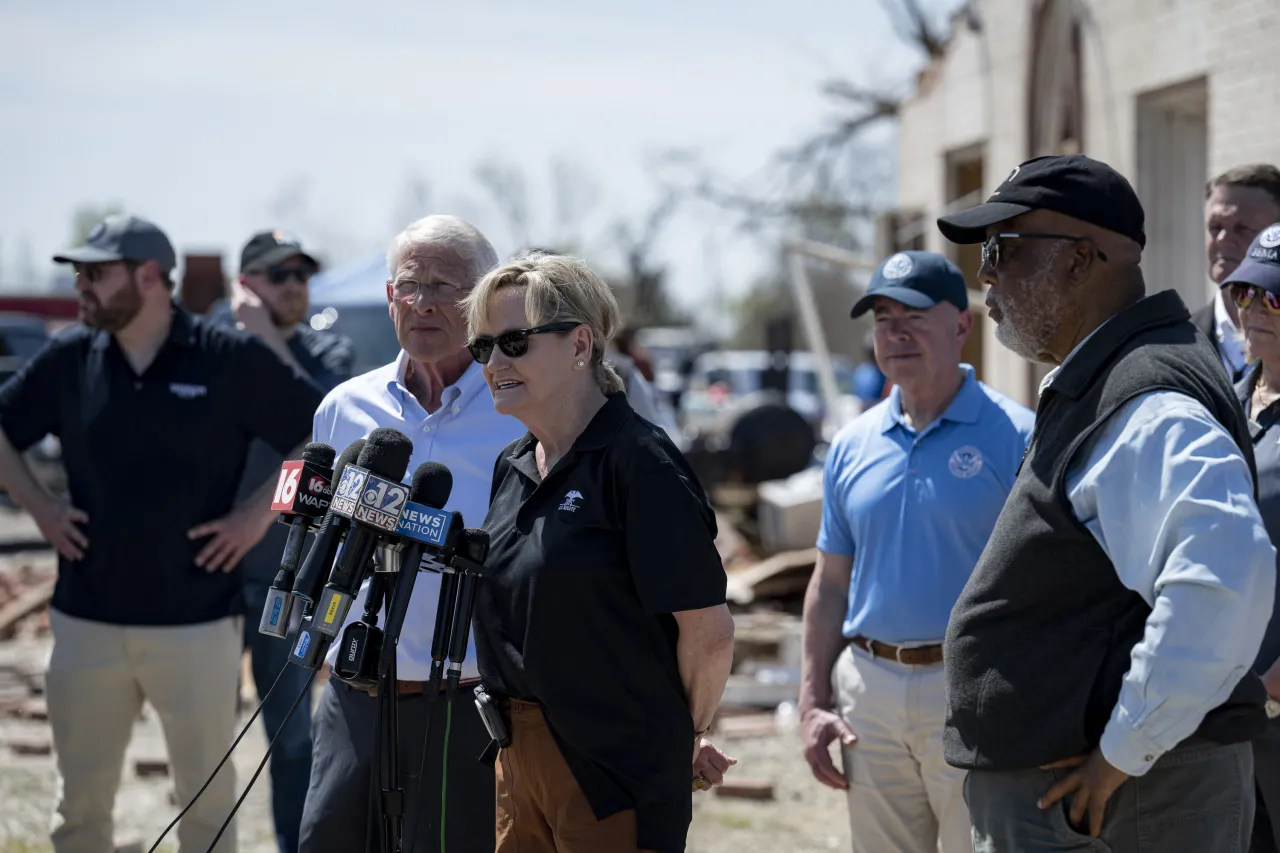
x: 746, y: 726
x: 745, y: 789
x: 780, y: 576
x: 31, y: 747
x: 28, y: 601
x: 147, y: 767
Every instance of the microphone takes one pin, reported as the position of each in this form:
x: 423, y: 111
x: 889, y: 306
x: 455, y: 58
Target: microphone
x: 310, y: 646
x: 303, y: 493
x: 473, y: 550
x: 365, y: 655
x: 372, y: 496
x: 315, y: 568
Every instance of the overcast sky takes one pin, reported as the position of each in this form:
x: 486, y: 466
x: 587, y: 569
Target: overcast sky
x: 210, y: 118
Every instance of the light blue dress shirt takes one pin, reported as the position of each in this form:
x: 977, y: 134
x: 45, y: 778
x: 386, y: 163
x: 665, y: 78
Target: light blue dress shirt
x: 465, y: 434
x: 915, y: 509
x: 1168, y: 496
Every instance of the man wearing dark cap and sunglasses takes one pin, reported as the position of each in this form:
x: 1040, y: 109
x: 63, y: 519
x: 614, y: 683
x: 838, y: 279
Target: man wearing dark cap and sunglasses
x: 1098, y: 659
x: 155, y: 409
x: 270, y: 299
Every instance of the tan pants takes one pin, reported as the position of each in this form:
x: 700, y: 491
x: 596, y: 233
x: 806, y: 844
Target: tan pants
x: 98, y: 677
x: 903, y: 797
x: 540, y: 808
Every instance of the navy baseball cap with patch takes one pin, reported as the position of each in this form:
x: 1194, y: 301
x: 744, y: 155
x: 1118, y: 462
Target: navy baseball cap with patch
x: 1073, y: 185
x: 268, y: 248
x: 121, y: 237
x: 1261, y: 264
x: 916, y: 279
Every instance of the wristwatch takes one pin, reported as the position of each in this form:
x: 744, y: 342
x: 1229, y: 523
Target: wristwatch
x: 1273, y: 709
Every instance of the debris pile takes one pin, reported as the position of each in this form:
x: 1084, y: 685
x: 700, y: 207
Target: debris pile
x: 25, y: 590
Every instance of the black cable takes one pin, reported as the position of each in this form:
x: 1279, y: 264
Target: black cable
x: 422, y: 769
x: 214, y: 774
x: 305, y: 694
x: 375, y: 797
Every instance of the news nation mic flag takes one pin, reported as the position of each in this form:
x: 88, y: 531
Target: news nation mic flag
x: 424, y: 524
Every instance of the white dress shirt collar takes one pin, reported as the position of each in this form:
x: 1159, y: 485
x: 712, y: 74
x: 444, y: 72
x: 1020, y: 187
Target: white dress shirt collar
x: 1230, y: 341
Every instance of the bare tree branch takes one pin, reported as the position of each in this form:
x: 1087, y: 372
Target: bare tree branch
x: 505, y: 184
x: 914, y: 27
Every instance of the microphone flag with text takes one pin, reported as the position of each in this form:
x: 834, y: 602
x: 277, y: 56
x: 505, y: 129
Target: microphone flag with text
x: 371, y: 495
x: 422, y: 527
x: 310, y: 646
x: 302, y: 497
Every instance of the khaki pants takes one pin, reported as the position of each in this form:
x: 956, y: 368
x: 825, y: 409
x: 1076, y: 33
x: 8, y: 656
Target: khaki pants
x: 903, y: 797
x: 540, y: 808
x: 98, y: 677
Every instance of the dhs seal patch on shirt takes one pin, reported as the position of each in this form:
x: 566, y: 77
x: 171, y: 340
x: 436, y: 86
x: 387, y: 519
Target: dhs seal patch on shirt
x: 966, y: 462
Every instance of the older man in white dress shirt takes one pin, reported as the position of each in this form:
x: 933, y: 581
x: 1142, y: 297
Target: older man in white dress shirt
x: 435, y: 394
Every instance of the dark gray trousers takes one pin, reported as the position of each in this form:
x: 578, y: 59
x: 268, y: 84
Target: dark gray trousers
x: 1266, y: 771
x: 339, y: 816
x: 1198, y: 798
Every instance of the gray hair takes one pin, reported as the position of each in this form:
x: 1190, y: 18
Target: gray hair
x: 458, y: 235
x: 557, y: 288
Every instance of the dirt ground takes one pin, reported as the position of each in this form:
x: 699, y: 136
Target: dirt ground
x: 803, y: 816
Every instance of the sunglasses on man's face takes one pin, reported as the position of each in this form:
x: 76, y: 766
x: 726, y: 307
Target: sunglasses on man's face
x: 514, y: 343
x: 280, y: 275
x: 1243, y: 294
x: 992, y: 247
x: 94, y: 273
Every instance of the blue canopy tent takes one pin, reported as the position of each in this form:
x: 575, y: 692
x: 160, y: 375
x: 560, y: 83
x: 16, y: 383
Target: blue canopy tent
x: 352, y: 300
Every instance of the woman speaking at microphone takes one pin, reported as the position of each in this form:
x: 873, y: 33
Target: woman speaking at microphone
x: 601, y: 629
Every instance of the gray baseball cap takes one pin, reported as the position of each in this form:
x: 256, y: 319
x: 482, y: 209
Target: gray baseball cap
x: 121, y: 237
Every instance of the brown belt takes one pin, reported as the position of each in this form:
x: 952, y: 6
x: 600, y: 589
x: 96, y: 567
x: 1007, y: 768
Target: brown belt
x: 416, y: 688
x: 909, y: 655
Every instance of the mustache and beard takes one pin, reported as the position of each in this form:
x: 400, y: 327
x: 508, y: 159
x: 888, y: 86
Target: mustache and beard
x: 113, y: 313
x: 1031, y: 309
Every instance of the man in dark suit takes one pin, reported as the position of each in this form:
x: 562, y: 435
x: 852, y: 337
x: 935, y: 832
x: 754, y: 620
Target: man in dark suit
x: 1240, y: 203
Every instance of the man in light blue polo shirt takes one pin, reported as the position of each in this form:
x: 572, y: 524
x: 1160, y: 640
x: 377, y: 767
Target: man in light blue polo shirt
x: 911, y: 492
x: 436, y: 395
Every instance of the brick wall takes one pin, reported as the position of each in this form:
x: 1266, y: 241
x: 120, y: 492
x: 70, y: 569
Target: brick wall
x: 978, y: 95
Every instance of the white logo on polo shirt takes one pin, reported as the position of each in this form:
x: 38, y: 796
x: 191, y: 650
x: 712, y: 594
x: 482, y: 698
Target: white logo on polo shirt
x: 1270, y: 238
x: 568, y: 505
x: 899, y: 266
x: 187, y: 392
x: 966, y: 462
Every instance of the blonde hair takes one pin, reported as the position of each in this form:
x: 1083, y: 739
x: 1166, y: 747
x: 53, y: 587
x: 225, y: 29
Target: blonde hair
x: 557, y: 289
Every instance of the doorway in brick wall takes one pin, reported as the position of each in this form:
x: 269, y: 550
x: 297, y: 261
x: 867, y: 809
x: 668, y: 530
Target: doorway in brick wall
x: 1173, y: 166
x: 966, y: 186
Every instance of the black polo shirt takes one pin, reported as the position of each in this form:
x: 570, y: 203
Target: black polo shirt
x: 586, y: 569
x: 150, y: 456
x: 327, y: 358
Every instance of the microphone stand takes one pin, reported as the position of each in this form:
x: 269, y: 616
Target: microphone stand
x: 459, y: 565
x: 392, y: 800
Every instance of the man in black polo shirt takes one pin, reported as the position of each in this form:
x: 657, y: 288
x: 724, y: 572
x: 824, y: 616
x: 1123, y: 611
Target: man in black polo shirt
x: 269, y: 300
x: 155, y: 410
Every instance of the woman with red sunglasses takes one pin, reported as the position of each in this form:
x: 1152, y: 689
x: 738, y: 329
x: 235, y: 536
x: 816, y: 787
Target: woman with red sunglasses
x: 1255, y: 289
